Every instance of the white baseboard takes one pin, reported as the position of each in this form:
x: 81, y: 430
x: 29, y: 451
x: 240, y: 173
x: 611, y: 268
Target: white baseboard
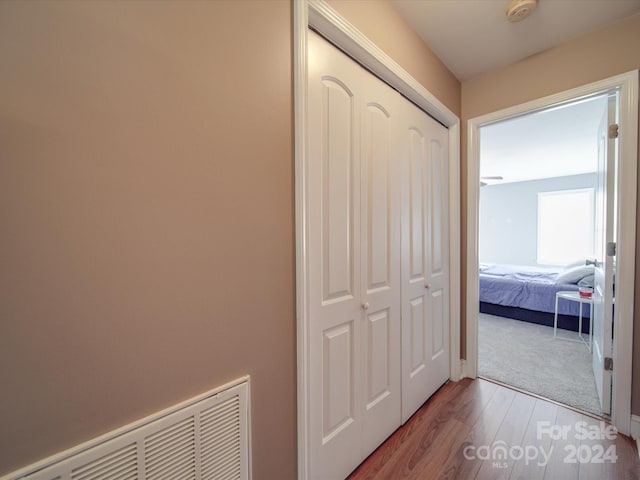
x: 457, y: 373
x: 463, y: 373
x: 635, y: 431
x: 635, y: 426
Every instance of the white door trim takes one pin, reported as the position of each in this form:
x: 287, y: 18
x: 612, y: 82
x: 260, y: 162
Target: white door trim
x: 625, y: 276
x: 325, y: 20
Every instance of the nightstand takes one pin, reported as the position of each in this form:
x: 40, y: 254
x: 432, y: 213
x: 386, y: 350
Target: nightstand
x: 575, y: 297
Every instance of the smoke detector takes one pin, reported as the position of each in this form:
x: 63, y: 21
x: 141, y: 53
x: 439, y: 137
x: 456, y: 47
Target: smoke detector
x: 520, y: 9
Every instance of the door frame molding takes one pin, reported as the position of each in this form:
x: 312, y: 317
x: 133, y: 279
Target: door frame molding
x: 319, y: 16
x: 627, y: 84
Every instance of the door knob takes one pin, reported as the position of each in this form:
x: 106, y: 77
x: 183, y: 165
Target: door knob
x: 593, y: 262
x: 427, y: 285
x: 365, y: 306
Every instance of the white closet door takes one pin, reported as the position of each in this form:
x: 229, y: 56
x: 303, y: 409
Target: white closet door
x: 354, y: 269
x: 425, y: 268
x: 380, y: 254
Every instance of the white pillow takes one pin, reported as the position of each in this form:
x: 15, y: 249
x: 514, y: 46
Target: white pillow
x: 575, y: 274
x: 587, y: 281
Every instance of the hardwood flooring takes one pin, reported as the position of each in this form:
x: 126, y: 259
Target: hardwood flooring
x: 477, y: 429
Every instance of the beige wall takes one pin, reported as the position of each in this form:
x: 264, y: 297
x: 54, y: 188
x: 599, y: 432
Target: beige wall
x: 592, y: 57
x: 381, y: 23
x: 146, y: 204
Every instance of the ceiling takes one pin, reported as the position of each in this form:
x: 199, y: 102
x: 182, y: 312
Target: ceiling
x: 474, y: 36
x: 551, y: 143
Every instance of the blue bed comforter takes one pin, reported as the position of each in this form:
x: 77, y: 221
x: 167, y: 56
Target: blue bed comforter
x: 533, y: 288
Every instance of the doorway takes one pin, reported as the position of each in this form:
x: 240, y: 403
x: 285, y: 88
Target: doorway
x: 537, y: 231
x: 625, y: 196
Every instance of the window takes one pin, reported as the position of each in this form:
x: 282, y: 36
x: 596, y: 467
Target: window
x: 565, y: 226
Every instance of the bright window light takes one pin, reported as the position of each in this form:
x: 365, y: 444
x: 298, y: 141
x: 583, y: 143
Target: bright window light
x: 565, y: 226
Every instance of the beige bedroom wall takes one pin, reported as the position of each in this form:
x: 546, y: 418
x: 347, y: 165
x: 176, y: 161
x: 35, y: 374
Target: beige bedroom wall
x: 600, y: 54
x: 382, y: 23
x: 146, y: 204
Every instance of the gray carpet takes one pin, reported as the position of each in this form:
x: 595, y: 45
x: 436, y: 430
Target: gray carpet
x: 526, y: 356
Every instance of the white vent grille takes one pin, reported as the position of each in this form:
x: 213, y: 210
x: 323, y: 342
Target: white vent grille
x: 119, y: 465
x: 171, y: 453
x: 220, y: 438
x: 203, y: 439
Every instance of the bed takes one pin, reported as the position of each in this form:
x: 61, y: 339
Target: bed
x: 529, y: 293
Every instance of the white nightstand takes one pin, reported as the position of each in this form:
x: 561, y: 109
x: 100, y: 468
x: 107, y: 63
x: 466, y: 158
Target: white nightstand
x: 575, y: 297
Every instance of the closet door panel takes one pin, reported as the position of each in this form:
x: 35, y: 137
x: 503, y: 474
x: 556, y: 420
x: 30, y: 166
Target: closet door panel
x: 425, y: 367
x: 438, y: 264
x: 438, y: 345
x: 335, y: 326
x: 337, y: 191
x: 377, y: 150
x: 415, y: 297
x: 437, y: 212
x: 336, y: 382
x: 378, y: 363
x: 417, y: 206
x: 418, y: 350
x: 380, y: 254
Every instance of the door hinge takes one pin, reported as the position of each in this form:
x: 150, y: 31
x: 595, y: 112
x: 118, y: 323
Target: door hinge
x: 613, y: 130
x: 611, y: 249
x: 608, y: 363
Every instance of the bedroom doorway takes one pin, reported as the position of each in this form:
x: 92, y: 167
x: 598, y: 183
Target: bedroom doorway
x: 571, y: 206
x: 539, y: 182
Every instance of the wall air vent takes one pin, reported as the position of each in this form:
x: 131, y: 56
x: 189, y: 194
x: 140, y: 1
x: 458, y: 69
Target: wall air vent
x: 205, y: 438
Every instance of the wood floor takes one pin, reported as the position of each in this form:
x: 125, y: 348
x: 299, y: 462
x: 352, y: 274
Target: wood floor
x: 459, y: 432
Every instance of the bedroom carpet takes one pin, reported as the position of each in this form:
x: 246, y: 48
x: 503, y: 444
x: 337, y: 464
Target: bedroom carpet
x: 526, y: 356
